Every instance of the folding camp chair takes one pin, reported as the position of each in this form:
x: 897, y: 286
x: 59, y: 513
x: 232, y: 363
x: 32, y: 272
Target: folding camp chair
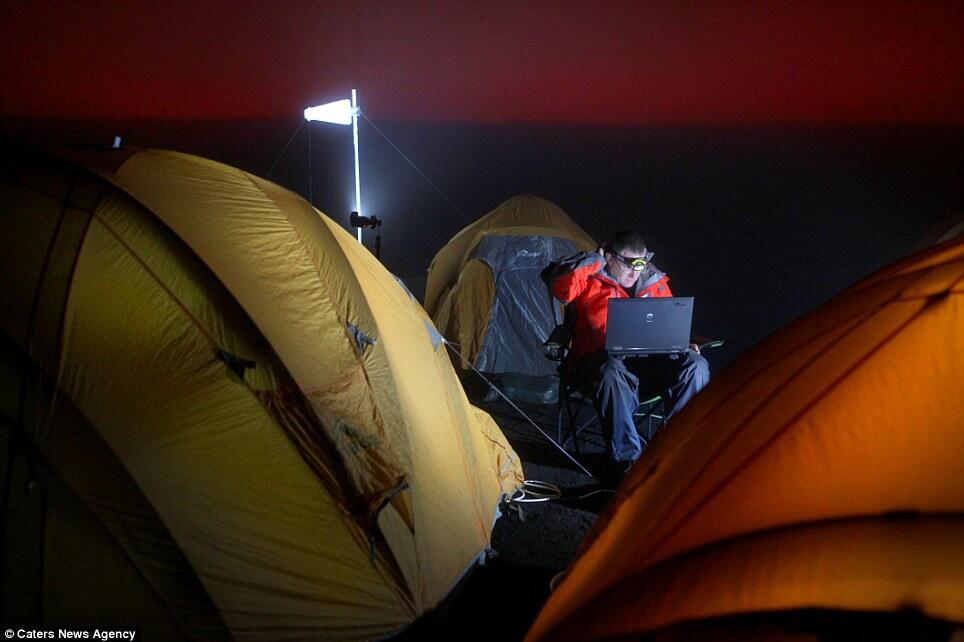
x: 575, y: 410
x: 570, y: 400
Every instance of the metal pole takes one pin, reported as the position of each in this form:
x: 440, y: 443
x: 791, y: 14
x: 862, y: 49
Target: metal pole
x: 311, y: 195
x: 354, y: 128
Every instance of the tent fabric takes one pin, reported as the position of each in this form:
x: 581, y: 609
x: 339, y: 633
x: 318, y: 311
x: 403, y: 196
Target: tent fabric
x: 521, y: 310
x: 483, y: 288
x: 821, y: 469
x: 103, y: 544
x: 291, y: 457
x: 463, y: 315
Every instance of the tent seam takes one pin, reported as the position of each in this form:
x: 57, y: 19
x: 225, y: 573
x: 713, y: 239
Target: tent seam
x: 97, y: 519
x: 736, y: 538
x: 406, y: 593
x: 780, y: 431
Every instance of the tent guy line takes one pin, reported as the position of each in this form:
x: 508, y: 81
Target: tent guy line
x: 274, y: 165
x: 415, y: 167
x: 517, y: 409
x: 388, y: 140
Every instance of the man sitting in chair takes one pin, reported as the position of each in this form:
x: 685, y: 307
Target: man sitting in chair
x: 585, y: 282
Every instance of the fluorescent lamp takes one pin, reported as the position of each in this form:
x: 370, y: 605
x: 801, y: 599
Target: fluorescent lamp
x: 339, y: 112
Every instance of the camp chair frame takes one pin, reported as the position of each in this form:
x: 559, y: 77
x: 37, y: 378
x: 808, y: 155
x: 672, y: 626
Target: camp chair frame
x: 573, y: 401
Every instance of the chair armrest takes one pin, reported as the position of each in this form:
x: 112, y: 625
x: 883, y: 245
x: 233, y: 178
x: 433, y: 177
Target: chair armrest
x: 557, y: 345
x: 707, y: 342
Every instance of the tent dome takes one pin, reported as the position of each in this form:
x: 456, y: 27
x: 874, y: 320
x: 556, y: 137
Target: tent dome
x: 221, y: 416
x: 483, y: 288
x: 824, y: 469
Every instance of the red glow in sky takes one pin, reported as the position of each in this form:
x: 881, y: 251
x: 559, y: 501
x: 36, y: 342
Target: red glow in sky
x: 546, y: 61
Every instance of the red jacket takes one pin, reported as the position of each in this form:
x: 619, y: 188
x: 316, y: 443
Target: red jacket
x: 581, y: 282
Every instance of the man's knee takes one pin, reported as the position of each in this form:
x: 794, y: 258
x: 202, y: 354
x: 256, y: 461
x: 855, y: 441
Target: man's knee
x: 611, y: 366
x: 614, y: 369
x: 694, y: 369
x: 692, y: 376
x: 613, y: 374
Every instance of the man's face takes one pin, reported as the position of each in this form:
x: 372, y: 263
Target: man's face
x: 619, y: 265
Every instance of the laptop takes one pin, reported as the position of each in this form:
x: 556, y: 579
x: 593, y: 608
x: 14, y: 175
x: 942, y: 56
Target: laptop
x: 639, y: 327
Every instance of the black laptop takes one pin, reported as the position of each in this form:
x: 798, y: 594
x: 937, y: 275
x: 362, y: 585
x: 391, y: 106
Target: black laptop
x: 649, y: 326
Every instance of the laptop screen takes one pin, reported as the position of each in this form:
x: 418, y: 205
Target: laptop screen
x: 649, y: 325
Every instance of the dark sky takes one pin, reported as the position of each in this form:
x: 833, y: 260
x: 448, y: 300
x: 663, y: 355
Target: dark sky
x: 771, y: 152
x: 617, y: 61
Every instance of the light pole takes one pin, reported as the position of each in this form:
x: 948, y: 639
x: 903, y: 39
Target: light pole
x: 341, y: 112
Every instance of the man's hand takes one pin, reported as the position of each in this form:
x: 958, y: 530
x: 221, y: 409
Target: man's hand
x: 695, y: 348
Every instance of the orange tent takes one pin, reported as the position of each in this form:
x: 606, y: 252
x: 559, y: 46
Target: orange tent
x: 822, y: 470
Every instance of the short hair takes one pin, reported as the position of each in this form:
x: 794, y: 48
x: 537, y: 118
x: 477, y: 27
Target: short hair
x: 625, y: 240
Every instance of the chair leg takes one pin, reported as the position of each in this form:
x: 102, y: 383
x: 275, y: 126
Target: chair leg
x: 574, y: 428
x: 571, y: 429
x: 563, y: 428
x: 560, y: 404
x: 653, y: 419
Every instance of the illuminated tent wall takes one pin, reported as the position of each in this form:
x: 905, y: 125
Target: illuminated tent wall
x: 221, y: 417
x: 822, y: 470
x: 484, y: 291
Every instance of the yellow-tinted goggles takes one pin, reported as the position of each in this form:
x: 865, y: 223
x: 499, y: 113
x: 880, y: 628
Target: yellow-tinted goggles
x: 635, y: 263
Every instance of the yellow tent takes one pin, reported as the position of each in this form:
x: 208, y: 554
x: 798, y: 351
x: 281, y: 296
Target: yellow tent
x: 822, y: 470
x: 484, y: 291
x: 221, y: 416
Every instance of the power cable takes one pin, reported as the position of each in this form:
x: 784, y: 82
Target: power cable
x: 534, y: 491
